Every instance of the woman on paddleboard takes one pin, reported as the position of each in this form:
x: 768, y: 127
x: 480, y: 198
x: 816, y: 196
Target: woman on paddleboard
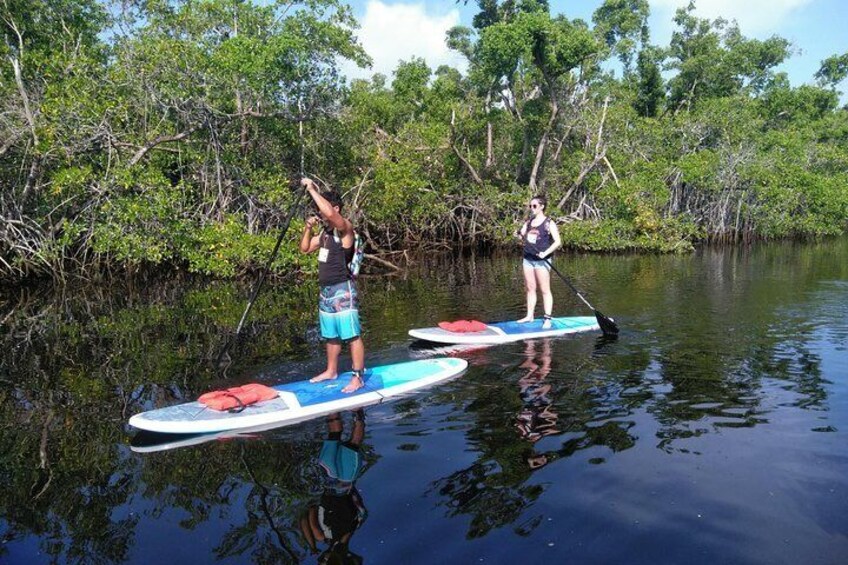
x: 541, y: 238
x: 338, y: 302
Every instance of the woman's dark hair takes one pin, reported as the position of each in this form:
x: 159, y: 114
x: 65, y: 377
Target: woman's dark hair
x: 541, y: 200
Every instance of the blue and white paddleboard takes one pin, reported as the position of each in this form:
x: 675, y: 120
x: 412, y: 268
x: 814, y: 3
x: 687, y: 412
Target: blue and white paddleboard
x: 302, y: 400
x: 505, y: 332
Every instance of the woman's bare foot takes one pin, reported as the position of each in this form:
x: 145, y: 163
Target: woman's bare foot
x: 525, y: 319
x: 325, y: 376
x: 354, y: 384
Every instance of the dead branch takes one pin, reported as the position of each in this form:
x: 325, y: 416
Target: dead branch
x: 383, y: 262
x: 139, y: 155
x: 463, y: 160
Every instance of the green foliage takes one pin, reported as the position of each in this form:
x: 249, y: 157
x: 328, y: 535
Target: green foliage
x: 620, y: 235
x: 714, y: 60
x: 622, y: 24
x: 833, y: 70
x: 651, y: 90
x: 167, y: 133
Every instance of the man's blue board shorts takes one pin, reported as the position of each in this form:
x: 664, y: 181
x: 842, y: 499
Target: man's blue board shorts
x: 341, y: 462
x: 338, y: 311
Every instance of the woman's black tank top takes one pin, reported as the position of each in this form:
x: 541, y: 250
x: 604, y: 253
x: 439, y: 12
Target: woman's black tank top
x: 537, y: 239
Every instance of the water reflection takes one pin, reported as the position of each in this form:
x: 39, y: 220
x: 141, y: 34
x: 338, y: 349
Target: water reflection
x: 553, y: 412
x: 495, y: 489
x: 727, y: 359
x: 340, y: 511
x: 290, y: 492
x: 538, y: 417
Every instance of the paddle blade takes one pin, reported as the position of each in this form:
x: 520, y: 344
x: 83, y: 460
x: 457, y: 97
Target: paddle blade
x: 608, y: 325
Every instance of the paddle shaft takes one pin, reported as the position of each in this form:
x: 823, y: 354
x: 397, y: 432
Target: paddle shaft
x: 286, y: 223
x: 258, y: 285
x: 563, y: 277
x: 267, y: 268
x: 568, y: 282
x: 607, y: 324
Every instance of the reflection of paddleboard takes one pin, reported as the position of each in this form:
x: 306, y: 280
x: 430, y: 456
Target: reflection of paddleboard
x: 301, y: 400
x: 420, y: 349
x: 150, y: 442
x: 504, y: 332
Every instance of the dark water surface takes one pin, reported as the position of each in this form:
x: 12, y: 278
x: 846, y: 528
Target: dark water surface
x: 713, y: 430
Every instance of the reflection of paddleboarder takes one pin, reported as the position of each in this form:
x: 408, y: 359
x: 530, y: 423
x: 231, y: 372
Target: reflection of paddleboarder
x: 340, y: 510
x: 537, y: 418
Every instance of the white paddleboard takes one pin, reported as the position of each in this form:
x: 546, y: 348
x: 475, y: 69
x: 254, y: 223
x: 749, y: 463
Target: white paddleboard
x: 302, y: 400
x: 505, y: 332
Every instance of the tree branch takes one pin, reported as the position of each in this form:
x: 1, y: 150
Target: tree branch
x: 139, y: 155
x: 463, y: 160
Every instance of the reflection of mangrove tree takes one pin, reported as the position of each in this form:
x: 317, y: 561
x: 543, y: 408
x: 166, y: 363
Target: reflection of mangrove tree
x: 717, y: 364
x: 256, y: 485
x: 76, y: 365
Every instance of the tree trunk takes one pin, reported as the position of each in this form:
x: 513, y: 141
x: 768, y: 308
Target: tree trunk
x: 540, y: 151
x: 490, y: 152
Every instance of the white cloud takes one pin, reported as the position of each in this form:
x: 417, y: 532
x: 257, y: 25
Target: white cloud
x: 394, y: 32
x: 755, y: 17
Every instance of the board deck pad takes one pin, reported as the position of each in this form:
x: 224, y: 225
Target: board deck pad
x: 505, y: 332
x: 301, y: 400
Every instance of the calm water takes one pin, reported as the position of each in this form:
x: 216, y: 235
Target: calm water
x: 713, y: 430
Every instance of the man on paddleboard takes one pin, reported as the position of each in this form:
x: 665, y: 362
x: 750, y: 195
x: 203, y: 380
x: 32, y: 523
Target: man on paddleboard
x: 540, y: 236
x: 338, y: 302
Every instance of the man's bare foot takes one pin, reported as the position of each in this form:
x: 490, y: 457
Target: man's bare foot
x: 354, y: 384
x: 325, y: 376
x: 525, y: 319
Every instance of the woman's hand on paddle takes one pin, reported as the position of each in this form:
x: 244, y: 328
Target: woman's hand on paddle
x: 307, y: 183
x: 312, y: 221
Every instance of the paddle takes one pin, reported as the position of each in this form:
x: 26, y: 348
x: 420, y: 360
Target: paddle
x: 299, y: 196
x: 607, y: 324
x: 255, y: 292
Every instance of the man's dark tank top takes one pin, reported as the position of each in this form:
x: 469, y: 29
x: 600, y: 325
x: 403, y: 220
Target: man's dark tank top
x: 333, y: 260
x: 537, y: 239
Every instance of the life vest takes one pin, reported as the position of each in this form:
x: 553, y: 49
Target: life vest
x: 237, y: 398
x: 463, y: 326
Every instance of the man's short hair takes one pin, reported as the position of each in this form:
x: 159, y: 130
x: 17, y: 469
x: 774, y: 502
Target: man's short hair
x: 334, y: 198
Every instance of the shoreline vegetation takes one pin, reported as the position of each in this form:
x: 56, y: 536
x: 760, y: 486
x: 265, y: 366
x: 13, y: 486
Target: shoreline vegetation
x: 167, y: 135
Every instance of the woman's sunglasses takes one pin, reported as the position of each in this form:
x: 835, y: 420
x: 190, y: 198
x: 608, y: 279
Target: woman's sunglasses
x: 534, y: 206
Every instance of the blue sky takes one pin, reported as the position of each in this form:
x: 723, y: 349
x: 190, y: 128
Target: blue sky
x: 394, y: 30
